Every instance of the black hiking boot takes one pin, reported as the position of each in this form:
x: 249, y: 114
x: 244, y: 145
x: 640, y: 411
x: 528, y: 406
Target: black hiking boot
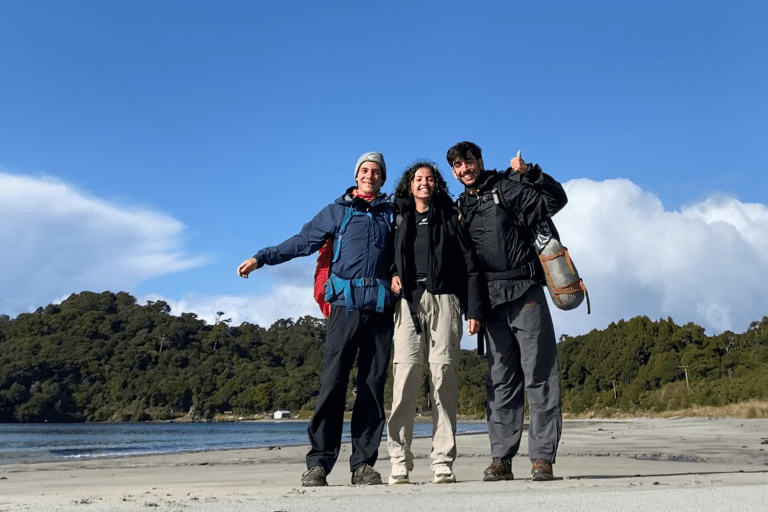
x: 365, y: 475
x: 314, y: 477
x: 541, y: 470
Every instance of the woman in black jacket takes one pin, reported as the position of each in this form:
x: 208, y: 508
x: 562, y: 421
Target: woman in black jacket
x: 436, y: 271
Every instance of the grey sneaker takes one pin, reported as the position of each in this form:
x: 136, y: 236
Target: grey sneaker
x: 500, y: 469
x: 314, y: 477
x: 365, y: 475
x: 541, y: 470
x: 445, y: 478
x: 399, y: 479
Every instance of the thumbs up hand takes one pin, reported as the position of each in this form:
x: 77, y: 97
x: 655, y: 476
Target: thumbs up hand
x: 518, y: 164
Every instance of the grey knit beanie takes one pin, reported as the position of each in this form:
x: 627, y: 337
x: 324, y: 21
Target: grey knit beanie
x: 373, y: 156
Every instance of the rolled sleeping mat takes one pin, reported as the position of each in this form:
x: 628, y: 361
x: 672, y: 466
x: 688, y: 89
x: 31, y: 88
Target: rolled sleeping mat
x: 563, y: 282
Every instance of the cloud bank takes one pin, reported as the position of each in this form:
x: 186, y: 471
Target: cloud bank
x: 289, y: 296
x: 706, y: 263
x: 58, y: 240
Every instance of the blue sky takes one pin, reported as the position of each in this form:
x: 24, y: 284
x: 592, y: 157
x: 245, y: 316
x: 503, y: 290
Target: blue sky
x: 151, y: 147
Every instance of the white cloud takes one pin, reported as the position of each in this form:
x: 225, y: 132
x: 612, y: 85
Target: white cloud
x: 58, y: 240
x: 706, y: 264
x: 286, y: 292
x: 284, y: 301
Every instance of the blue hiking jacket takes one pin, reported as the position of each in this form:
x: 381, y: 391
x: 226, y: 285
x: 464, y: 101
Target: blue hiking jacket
x: 362, y: 234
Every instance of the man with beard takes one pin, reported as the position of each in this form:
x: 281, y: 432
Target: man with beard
x: 499, y: 208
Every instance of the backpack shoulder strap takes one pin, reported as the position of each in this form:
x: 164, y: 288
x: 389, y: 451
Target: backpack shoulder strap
x: 340, y: 233
x: 461, y: 210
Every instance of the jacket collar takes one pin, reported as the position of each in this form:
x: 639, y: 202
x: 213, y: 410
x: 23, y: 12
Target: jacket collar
x: 484, y: 182
x: 349, y: 199
x: 440, y: 200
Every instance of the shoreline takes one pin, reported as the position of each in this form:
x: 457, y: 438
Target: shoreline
x: 683, y: 464
x: 42, y: 455
x: 568, y: 424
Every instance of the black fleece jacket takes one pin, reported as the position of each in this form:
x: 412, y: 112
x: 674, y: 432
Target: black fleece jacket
x: 501, y: 235
x: 453, y: 264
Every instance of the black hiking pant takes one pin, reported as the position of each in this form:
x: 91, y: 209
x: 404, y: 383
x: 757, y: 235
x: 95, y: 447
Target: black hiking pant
x: 367, y: 336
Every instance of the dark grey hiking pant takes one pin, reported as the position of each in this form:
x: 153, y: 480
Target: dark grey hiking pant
x: 522, y: 356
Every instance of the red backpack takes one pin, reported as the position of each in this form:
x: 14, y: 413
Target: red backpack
x: 321, y: 275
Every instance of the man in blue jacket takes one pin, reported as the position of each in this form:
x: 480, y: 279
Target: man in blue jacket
x: 361, y: 320
x: 499, y: 209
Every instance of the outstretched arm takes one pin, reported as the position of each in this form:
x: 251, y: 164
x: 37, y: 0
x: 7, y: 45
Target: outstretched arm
x: 311, y: 237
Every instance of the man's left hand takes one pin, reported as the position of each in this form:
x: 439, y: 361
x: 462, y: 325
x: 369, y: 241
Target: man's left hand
x: 518, y: 164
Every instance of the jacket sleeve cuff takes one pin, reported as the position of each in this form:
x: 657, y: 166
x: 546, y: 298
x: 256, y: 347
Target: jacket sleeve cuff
x: 259, y: 257
x: 533, y: 174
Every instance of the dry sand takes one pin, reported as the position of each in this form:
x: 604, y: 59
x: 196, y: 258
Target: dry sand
x: 625, y: 465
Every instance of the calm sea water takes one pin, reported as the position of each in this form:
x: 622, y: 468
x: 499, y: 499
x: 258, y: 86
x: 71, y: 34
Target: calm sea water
x: 35, y: 442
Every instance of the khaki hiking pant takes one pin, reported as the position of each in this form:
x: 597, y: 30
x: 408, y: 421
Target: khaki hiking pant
x: 438, y: 343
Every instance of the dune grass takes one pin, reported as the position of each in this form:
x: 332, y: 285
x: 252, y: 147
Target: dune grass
x: 750, y: 409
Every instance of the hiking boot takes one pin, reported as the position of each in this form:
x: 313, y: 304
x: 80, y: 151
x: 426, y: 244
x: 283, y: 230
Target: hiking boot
x: 399, y: 479
x: 314, y: 477
x: 541, y: 470
x: 445, y: 478
x: 500, y: 469
x: 365, y: 475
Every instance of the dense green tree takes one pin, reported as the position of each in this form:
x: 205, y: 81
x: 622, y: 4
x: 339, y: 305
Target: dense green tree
x: 100, y: 357
x: 103, y: 357
x: 657, y: 366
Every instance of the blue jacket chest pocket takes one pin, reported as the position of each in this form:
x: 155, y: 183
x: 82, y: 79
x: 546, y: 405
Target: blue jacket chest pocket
x: 361, y: 246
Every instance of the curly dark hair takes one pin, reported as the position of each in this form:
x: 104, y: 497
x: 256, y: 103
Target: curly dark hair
x: 403, y: 189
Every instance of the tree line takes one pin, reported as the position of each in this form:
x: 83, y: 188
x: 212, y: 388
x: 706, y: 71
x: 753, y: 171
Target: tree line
x: 641, y: 365
x: 104, y: 357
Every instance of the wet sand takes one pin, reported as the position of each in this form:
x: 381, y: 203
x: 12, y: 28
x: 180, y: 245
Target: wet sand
x: 639, y: 464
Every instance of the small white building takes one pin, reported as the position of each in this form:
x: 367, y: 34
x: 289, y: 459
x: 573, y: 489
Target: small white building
x: 282, y: 414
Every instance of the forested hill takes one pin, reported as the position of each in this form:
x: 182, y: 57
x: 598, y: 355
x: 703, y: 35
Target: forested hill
x: 98, y: 357
x: 640, y: 365
x: 103, y: 357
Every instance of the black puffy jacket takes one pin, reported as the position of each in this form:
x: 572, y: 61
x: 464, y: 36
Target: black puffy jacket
x: 453, y: 265
x: 498, y: 219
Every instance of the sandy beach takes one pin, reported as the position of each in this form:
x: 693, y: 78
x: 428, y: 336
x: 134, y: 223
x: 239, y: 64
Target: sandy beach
x: 686, y: 464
